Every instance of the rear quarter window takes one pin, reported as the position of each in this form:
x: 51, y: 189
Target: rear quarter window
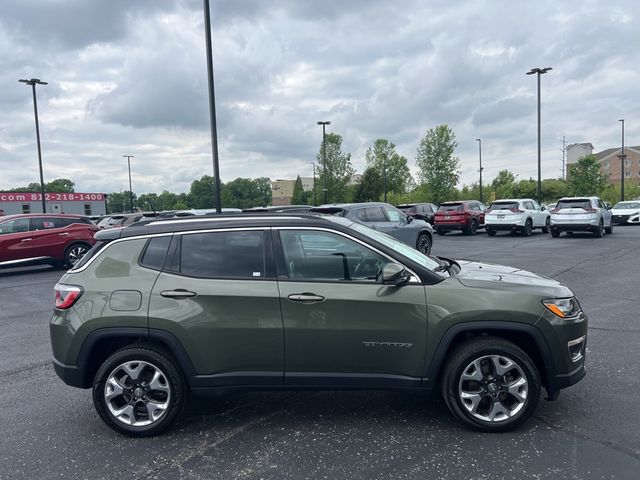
x: 155, y: 252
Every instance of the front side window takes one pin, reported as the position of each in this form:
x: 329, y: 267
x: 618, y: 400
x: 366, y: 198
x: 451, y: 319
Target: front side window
x: 316, y: 255
x: 14, y: 226
x: 234, y: 254
x: 394, y: 214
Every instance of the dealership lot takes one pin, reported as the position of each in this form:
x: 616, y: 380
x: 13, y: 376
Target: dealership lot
x: 50, y: 430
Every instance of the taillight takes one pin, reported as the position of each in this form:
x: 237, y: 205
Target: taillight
x: 516, y: 210
x: 554, y: 210
x: 590, y: 210
x: 66, y: 295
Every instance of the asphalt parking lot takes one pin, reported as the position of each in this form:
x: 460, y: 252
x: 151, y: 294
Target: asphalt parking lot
x: 49, y: 430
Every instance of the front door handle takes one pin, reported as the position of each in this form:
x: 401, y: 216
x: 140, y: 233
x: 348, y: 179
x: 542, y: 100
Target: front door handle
x: 26, y: 239
x: 305, y: 297
x: 64, y: 234
x: 179, y: 293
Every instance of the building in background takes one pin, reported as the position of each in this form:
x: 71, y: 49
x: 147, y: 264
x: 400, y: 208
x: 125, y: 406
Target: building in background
x: 609, y: 161
x: 73, y: 203
x: 282, y: 190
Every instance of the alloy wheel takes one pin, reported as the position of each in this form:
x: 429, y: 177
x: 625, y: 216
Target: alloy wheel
x: 424, y: 244
x: 76, y: 253
x: 493, y: 388
x: 137, y: 393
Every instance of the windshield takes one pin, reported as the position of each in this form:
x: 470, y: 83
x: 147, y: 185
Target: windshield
x: 386, y: 240
x: 503, y: 206
x: 450, y: 207
x: 627, y: 205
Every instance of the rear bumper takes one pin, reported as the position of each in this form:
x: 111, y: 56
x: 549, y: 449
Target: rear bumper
x: 504, y: 226
x: 70, y: 374
x: 574, y: 227
x: 451, y: 226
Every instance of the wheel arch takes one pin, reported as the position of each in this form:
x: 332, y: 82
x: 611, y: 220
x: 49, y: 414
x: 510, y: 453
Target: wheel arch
x: 525, y: 336
x: 101, y: 343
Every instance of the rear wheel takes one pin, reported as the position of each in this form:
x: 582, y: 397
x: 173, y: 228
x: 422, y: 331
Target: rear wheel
x: 528, y: 226
x: 547, y: 226
x: 555, y: 233
x: 472, y: 228
x: 441, y: 231
x: 138, y: 391
x: 74, y: 253
x: 600, y: 231
x: 491, y: 384
x: 490, y: 231
x: 423, y: 245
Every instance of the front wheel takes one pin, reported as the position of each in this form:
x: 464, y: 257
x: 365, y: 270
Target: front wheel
x: 423, y: 245
x: 139, y: 391
x: 491, y: 384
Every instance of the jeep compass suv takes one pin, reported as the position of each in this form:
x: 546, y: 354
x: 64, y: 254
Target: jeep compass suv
x: 217, y: 304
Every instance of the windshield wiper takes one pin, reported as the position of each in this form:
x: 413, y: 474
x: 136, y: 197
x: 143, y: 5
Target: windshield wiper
x: 445, y: 266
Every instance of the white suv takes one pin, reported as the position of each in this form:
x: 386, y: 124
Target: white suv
x: 581, y: 214
x: 516, y: 215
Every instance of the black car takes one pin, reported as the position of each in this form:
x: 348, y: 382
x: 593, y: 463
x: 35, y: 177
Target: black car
x: 387, y: 219
x: 421, y: 211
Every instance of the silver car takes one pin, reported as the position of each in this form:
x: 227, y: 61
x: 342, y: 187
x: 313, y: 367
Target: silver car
x: 581, y: 214
x: 387, y: 219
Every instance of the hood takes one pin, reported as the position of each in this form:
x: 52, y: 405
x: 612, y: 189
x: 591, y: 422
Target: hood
x: 484, y: 275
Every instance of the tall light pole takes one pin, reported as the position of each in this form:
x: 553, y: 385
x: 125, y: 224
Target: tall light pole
x: 384, y: 169
x: 315, y: 198
x: 33, y: 82
x: 324, y: 155
x: 212, y: 106
x: 129, y: 157
x: 539, y: 71
x: 480, y: 157
x: 622, y: 157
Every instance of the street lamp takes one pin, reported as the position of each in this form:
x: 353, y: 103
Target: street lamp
x: 129, y: 157
x: 539, y: 71
x: 315, y: 200
x: 212, y: 106
x: 480, y: 156
x: 33, y: 82
x: 324, y: 155
x: 622, y: 157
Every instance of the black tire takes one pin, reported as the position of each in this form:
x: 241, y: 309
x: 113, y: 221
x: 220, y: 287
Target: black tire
x: 170, y: 375
x: 74, y: 253
x: 472, y: 228
x: 424, y: 243
x: 441, y: 232
x: 547, y: 225
x: 555, y: 233
x: 490, y: 231
x: 609, y: 230
x: 528, y: 227
x: 479, y: 349
x: 600, y: 232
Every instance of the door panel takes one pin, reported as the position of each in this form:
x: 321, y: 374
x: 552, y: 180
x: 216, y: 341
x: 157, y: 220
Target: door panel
x: 14, y: 240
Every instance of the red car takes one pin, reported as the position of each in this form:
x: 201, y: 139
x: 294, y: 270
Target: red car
x: 465, y: 215
x: 44, y: 238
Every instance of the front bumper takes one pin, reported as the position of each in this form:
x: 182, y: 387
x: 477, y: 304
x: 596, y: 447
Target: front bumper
x: 622, y: 219
x: 559, y: 381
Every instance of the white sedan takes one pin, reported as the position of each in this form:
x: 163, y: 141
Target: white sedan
x: 626, y: 212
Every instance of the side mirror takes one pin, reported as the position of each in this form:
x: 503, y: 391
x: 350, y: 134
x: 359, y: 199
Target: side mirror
x: 394, y: 274
x: 409, y: 218
x: 543, y: 208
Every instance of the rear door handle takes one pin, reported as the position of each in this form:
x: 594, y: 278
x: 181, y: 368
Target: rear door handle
x: 26, y: 239
x: 179, y: 293
x: 305, y: 297
x: 64, y: 234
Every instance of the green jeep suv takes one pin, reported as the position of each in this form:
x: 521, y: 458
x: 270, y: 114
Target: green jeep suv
x: 159, y: 310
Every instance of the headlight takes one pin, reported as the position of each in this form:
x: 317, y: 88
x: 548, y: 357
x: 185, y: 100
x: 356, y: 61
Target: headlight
x: 563, y: 307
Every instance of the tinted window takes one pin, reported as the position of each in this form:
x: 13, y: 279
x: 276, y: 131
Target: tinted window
x: 374, y: 214
x: 15, y: 226
x: 314, y: 255
x: 155, y: 252
x: 44, y: 223
x: 578, y: 203
x: 503, y: 206
x: 238, y: 254
x: 450, y: 207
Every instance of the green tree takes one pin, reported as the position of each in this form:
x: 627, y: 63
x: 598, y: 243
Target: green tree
x: 504, y: 184
x: 119, y: 202
x: 32, y: 187
x: 338, y: 171
x: 60, y: 185
x: 298, y: 192
x: 383, y: 156
x: 439, y: 170
x: 201, y: 193
x: 262, y: 186
x: 166, y: 200
x: 370, y: 187
x: 585, y: 177
x: 148, y: 202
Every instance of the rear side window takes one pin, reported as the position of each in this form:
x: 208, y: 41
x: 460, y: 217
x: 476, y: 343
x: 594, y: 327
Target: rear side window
x: 374, y: 214
x: 155, y: 252
x: 236, y: 254
x: 44, y: 223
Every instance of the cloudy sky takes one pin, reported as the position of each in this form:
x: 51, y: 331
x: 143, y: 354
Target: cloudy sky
x: 129, y: 77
